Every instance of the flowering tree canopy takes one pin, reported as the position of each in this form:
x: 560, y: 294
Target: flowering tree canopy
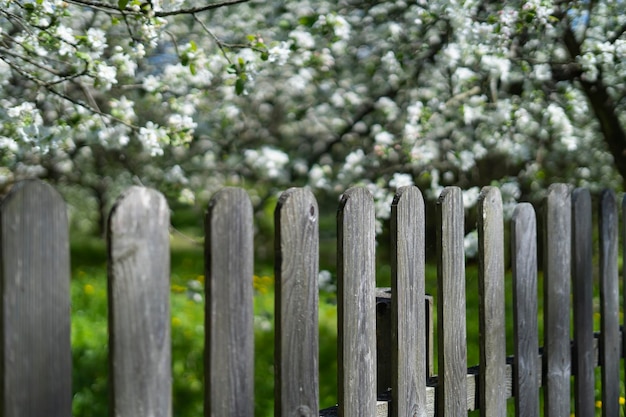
x: 327, y: 94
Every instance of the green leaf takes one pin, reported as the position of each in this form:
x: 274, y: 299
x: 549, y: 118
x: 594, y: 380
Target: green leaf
x: 193, y: 46
x: 122, y: 4
x: 239, y: 86
x: 192, y: 68
x: 308, y: 21
x: 265, y: 55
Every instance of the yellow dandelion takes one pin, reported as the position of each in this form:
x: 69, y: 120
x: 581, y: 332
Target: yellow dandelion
x: 178, y: 288
x: 598, y: 404
x: 176, y: 322
x: 89, y: 289
x: 622, y: 401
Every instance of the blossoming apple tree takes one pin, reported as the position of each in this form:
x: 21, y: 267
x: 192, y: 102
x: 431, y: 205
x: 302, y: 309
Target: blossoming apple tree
x: 328, y: 94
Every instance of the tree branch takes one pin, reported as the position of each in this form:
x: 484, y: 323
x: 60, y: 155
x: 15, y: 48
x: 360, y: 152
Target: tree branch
x: 210, y: 6
x: 603, y: 106
x: 370, y: 106
x: 215, y: 38
x: 618, y: 34
x: 51, y: 90
x: 111, y: 8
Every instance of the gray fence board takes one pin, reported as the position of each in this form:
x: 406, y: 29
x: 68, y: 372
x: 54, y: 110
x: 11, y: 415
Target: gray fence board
x: 582, y: 251
x: 556, y: 293
x: 623, y: 301
x: 609, y: 305
x: 491, y: 308
x: 229, y: 335
x: 139, y: 312
x: 35, y: 352
x: 296, y: 292
x: 409, y: 351
x: 451, y: 326
x: 356, y: 304
x: 527, y: 368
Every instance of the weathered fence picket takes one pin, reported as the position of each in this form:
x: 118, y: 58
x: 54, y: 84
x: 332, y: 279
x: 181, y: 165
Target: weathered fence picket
x: 409, y: 349
x: 527, y: 365
x: 390, y: 328
x: 229, y: 334
x: 35, y: 355
x: 296, y: 292
x: 582, y: 278
x: 623, y: 306
x: 451, y: 326
x: 491, y: 308
x: 356, y: 298
x: 556, y: 304
x: 139, y: 305
x: 609, y: 305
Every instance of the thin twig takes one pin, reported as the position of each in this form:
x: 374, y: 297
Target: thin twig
x: 68, y: 98
x: 215, y: 38
x: 114, y: 9
x: 210, y: 6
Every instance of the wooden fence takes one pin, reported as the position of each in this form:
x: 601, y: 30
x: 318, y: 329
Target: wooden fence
x: 35, y: 359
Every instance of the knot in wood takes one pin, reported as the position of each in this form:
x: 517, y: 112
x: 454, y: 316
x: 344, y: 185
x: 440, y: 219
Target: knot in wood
x: 303, y: 411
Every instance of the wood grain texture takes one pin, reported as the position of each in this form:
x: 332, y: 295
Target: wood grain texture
x: 609, y: 305
x: 383, y: 406
x: 229, y: 335
x: 451, y: 325
x: 491, y: 306
x: 623, y: 278
x: 139, y: 306
x: 582, y: 277
x: 384, y: 364
x: 35, y: 354
x: 409, y: 328
x: 296, y: 331
x: 356, y: 304
x: 556, y: 293
x: 527, y: 368
x: 384, y: 343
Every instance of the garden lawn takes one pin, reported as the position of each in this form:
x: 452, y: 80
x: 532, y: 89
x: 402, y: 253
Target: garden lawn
x: 89, y: 330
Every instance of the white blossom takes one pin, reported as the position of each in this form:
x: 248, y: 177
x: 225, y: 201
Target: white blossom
x: 401, y: 180
x: 153, y: 137
x: 280, y: 53
x: 106, y: 75
x: 302, y: 39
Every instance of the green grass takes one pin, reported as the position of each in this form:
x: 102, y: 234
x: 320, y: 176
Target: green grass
x: 89, y: 333
x: 89, y: 330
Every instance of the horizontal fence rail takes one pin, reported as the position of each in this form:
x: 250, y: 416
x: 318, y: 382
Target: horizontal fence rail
x: 385, y: 336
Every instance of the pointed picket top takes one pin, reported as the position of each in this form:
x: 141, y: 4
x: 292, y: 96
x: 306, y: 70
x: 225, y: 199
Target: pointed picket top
x: 139, y: 305
x: 35, y: 351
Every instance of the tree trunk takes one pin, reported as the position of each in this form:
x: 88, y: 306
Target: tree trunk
x: 603, y: 106
x: 605, y: 110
